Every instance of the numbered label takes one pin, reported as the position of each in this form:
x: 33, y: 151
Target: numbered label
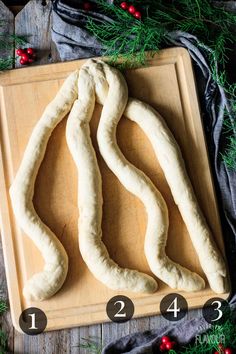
x: 216, y: 311
x: 33, y: 321
x: 173, y: 307
x: 120, y: 309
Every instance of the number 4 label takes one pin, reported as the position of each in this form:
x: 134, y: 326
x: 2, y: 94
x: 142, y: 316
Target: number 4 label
x: 174, y: 307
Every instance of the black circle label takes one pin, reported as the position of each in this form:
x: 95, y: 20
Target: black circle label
x: 216, y: 311
x: 120, y: 309
x: 33, y: 321
x: 173, y: 307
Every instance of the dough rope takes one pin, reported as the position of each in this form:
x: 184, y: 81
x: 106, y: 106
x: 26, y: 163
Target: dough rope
x: 92, y: 248
x: 46, y: 283
x: 171, y: 161
x: 111, y: 91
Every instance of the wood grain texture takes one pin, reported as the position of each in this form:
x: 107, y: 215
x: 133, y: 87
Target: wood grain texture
x: 124, y: 218
x: 34, y: 23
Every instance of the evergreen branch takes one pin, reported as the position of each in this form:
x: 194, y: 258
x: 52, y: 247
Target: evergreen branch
x: 6, y: 63
x: 3, y: 307
x: 124, y: 36
x: 92, y: 345
x: 10, y: 41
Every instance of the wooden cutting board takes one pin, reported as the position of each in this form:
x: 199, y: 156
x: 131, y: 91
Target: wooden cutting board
x: 167, y: 83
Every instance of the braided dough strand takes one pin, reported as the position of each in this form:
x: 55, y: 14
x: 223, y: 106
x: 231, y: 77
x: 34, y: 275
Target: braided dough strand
x: 137, y: 182
x: 91, y: 246
x: 46, y: 283
x: 170, y: 158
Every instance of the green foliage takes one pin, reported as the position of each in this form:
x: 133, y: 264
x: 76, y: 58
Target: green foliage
x: 6, y: 63
x: 91, y: 345
x: 209, y: 346
x: 3, y: 307
x: 125, y: 37
x: 8, y: 41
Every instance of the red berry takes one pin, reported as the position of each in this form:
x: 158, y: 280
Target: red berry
x: 228, y: 351
x: 162, y: 347
x: 124, y: 5
x: 87, y: 6
x: 131, y: 9
x: 138, y: 15
x: 170, y: 345
x: 30, y: 51
x: 216, y: 353
x: 20, y: 51
x: 31, y: 60
x: 165, y: 339
x: 25, y: 57
x: 23, y: 62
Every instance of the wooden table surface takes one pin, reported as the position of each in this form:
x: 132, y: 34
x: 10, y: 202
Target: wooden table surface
x: 34, y: 22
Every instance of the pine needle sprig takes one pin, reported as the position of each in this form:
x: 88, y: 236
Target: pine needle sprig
x: 10, y: 41
x: 6, y: 63
x: 3, y: 307
x: 91, y: 344
x: 124, y: 36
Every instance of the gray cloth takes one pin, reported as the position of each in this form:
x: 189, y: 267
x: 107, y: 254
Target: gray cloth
x: 73, y: 41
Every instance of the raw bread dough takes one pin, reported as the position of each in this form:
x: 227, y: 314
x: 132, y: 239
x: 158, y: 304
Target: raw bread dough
x: 97, y: 81
x: 93, y: 250
x: 171, y: 161
x: 46, y: 283
x: 111, y: 91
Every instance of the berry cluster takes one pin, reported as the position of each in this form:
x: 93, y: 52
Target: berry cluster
x: 223, y: 350
x: 27, y: 55
x: 87, y: 6
x: 166, y: 344
x: 131, y: 9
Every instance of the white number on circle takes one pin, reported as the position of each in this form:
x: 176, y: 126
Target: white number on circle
x: 33, y: 326
x: 122, y: 305
x: 217, y: 309
x: 175, y: 308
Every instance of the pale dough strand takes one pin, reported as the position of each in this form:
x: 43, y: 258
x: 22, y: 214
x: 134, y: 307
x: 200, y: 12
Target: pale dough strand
x: 93, y: 250
x: 171, y: 161
x: 136, y: 182
x: 46, y: 283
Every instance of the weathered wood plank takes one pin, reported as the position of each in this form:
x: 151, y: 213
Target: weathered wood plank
x: 34, y: 23
x: 113, y: 331
x: 6, y: 27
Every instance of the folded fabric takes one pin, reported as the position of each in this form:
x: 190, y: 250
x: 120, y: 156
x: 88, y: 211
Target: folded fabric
x: 69, y: 33
x: 148, y: 342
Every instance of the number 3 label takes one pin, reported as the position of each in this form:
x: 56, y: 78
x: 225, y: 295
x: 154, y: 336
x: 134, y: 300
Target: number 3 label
x: 216, y: 310
x: 120, y: 309
x: 220, y: 313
